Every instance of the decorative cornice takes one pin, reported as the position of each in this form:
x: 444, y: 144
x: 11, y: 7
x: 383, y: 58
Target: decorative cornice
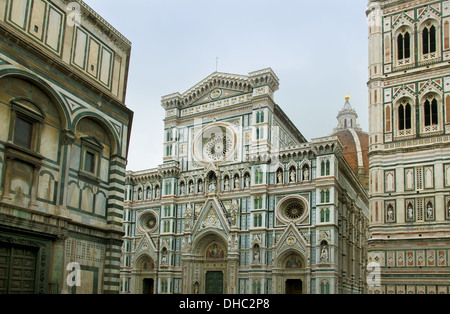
x: 103, y: 25
x: 242, y: 83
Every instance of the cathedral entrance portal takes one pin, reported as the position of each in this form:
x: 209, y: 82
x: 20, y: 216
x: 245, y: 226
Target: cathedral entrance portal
x: 214, y: 282
x: 294, y: 286
x: 148, y: 287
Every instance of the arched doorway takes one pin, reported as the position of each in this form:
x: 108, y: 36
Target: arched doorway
x: 291, y: 273
x: 145, y: 267
x: 209, y: 265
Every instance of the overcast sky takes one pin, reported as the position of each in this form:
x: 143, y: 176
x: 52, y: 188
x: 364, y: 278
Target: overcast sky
x: 318, y: 49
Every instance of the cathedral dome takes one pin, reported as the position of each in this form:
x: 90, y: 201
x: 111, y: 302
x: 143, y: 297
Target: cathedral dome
x: 355, y: 142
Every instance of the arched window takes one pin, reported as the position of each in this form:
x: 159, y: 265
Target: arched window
x: 431, y: 112
x: 258, y: 176
x: 325, y: 196
x: 259, y: 116
x: 404, y: 117
x: 327, y: 168
x: 324, y: 287
x: 429, y: 40
x: 403, y: 46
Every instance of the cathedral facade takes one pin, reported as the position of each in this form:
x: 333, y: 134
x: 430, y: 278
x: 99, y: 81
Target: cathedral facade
x: 64, y: 131
x: 242, y: 202
x: 409, y: 146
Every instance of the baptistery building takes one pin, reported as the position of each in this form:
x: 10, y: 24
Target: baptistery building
x: 64, y: 131
x: 242, y: 202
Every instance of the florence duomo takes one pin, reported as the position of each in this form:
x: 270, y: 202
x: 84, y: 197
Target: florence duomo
x: 257, y: 191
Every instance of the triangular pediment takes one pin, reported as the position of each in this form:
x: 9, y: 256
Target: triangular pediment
x: 218, y: 94
x: 292, y: 239
x: 211, y: 216
x: 213, y: 88
x: 146, y: 247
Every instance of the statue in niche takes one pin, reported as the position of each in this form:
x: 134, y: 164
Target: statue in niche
x: 292, y: 175
x: 212, y: 186
x: 140, y: 194
x: 182, y: 189
x: 279, y: 176
x: 390, y: 213
x: 149, y: 193
x: 410, y: 212
x: 227, y: 184
x: 191, y: 188
x: 429, y: 210
x: 200, y: 186
x: 196, y: 288
x: 324, y: 252
x: 306, y: 174
x: 157, y: 194
x: 256, y: 254
x: 164, y: 257
x: 247, y: 181
x: 236, y: 183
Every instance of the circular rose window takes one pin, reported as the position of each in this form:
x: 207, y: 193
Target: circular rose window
x: 215, y: 143
x: 292, y: 209
x: 148, y: 221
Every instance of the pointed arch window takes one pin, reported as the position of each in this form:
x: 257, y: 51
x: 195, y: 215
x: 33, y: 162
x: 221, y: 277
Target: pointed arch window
x: 429, y: 39
x: 325, y: 287
x: 404, y: 46
x: 404, y: 117
x: 431, y: 112
x: 259, y: 116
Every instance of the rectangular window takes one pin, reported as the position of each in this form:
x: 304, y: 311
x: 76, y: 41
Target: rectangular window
x: 89, y: 162
x: 23, y: 132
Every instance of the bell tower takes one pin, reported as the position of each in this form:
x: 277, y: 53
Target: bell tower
x: 409, y: 145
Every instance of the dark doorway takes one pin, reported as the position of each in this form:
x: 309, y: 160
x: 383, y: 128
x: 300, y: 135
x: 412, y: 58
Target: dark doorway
x: 214, y: 282
x: 17, y: 269
x: 294, y: 286
x: 148, y: 286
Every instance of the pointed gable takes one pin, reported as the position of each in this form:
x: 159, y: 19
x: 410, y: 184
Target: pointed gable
x: 292, y: 239
x: 212, y: 216
x: 146, y: 247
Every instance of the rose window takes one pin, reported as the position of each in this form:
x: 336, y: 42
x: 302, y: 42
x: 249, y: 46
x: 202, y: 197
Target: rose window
x: 148, y: 222
x: 294, y: 211
x: 218, y: 148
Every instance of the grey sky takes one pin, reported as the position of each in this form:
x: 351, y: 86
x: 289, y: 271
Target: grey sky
x: 318, y: 49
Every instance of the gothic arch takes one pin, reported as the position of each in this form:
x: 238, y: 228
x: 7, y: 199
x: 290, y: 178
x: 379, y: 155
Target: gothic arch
x: 283, y: 259
x: 205, y: 239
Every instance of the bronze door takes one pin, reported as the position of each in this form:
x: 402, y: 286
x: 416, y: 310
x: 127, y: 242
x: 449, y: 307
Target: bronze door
x: 17, y: 269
